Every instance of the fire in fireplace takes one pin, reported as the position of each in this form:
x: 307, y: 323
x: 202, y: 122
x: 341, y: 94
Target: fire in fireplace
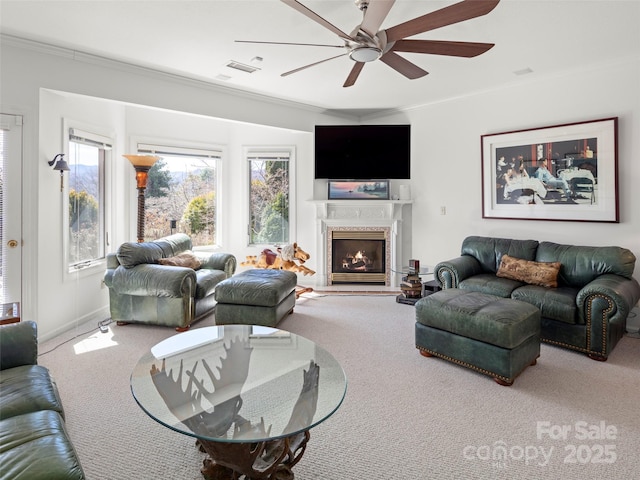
x: 358, y: 257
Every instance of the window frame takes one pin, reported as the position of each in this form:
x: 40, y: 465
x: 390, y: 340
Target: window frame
x: 168, y: 147
x: 98, y: 137
x: 250, y: 152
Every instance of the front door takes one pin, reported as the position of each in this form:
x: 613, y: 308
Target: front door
x: 10, y: 208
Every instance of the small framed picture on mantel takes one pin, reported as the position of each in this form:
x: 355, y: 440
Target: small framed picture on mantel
x: 358, y: 190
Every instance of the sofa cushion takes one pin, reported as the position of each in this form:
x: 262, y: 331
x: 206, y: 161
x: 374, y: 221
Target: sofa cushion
x: 489, y: 251
x: 544, y: 274
x: 174, y: 244
x: 554, y: 303
x: 131, y: 254
x: 19, y: 344
x: 206, y: 282
x: 184, y: 259
x: 35, y: 446
x: 581, y: 265
x: 28, y: 388
x: 490, y: 284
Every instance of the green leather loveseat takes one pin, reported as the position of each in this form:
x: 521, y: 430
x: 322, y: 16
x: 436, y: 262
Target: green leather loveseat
x: 34, y: 444
x: 587, y: 310
x: 163, y: 282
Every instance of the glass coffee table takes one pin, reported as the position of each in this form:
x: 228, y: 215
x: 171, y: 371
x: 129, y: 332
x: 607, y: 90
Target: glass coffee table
x: 248, y: 394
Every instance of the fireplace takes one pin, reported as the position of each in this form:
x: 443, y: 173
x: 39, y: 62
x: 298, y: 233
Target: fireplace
x: 363, y: 220
x: 358, y: 255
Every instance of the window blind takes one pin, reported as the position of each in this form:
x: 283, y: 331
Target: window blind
x: 88, y: 138
x: 166, y: 150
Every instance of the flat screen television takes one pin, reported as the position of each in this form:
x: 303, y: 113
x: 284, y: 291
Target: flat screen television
x: 362, y: 152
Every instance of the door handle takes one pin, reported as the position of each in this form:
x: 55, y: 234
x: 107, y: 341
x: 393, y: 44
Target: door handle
x: 12, y: 243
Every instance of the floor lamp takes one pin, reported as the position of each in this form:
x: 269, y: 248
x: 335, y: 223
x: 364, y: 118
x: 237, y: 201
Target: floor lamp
x: 142, y: 164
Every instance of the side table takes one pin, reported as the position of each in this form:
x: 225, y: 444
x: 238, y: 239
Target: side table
x: 413, y: 287
x: 9, y: 313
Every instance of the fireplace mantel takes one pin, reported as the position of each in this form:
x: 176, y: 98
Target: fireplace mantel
x: 361, y: 213
x: 336, y: 210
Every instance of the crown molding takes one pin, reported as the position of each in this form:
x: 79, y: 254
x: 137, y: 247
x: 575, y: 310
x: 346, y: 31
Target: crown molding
x: 88, y: 58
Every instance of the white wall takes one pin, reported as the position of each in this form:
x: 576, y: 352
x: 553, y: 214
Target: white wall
x: 446, y: 168
x: 47, y: 85
x: 445, y: 149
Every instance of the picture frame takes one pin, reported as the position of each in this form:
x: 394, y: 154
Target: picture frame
x: 581, y: 179
x: 358, y: 190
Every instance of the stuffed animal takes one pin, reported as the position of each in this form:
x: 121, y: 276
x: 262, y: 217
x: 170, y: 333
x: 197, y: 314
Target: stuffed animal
x: 288, y: 257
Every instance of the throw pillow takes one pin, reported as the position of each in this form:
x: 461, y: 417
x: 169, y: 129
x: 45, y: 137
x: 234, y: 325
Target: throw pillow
x: 184, y: 259
x: 544, y: 274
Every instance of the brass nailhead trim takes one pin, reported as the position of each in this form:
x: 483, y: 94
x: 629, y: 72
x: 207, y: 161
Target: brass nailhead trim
x: 465, y: 364
x: 605, y: 324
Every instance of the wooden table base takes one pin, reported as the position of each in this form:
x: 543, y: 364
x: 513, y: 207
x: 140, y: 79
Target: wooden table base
x: 272, y: 460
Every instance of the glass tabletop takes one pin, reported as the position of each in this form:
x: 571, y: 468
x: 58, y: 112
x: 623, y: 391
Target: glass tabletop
x: 238, y: 383
x: 405, y: 270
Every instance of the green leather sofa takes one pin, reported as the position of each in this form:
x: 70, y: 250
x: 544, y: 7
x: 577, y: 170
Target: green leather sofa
x: 588, y: 309
x: 142, y: 290
x: 34, y: 444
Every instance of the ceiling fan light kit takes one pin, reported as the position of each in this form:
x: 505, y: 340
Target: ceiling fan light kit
x: 365, y: 54
x: 367, y: 43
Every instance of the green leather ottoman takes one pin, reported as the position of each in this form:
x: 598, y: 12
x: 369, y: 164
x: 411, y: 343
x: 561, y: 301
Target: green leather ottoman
x: 256, y: 297
x: 495, y: 336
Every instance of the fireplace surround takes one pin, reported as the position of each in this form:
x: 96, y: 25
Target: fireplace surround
x: 369, y: 220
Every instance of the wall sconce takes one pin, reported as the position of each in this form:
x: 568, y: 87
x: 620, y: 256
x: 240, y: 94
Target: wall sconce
x: 60, y: 164
x: 142, y: 165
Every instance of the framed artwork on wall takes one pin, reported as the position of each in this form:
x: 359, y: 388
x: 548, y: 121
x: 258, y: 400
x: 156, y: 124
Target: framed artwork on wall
x: 358, y: 190
x: 564, y: 172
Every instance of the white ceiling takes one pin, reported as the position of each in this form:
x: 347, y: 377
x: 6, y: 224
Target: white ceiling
x: 196, y: 39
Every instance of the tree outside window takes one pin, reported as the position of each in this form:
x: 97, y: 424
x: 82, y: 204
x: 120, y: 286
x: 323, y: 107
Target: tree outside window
x: 269, y: 199
x: 86, y: 218
x: 181, y: 197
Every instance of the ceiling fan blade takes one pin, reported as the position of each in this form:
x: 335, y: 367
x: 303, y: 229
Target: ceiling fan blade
x: 311, y: 65
x: 403, y: 66
x: 455, y: 13
x: 291, y: 43
x: 353, y: 74
x: 375, y: 14
x: 437, y: 47
x: 316, y: 18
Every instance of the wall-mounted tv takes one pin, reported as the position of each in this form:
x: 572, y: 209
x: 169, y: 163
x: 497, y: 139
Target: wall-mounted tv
x: 362, y: 152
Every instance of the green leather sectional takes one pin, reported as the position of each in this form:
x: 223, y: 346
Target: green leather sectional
x: 34, y: 444
x: 141, y: 290
x: 587, y: 311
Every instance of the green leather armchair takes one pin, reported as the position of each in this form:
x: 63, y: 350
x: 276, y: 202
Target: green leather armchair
x: 586, y: 312
x: 142, y: 290
x: 33, y: 440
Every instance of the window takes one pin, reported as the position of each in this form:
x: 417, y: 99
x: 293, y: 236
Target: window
x: 87, y: 157
x: 181, y: 193
x: 269, y: 197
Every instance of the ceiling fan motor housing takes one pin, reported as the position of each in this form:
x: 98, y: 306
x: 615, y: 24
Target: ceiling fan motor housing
x: 365, y: 48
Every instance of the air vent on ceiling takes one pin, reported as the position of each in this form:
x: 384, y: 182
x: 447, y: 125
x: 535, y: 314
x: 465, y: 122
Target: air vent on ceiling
x: 524, y: 71
x: 242, y: 66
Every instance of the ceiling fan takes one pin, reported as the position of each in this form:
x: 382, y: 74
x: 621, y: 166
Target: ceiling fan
x: 366, y: 43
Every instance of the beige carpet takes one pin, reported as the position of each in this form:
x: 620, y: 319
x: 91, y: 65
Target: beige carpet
x: 404, y: 416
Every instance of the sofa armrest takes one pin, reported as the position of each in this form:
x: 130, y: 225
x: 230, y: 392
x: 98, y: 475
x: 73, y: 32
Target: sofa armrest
x: 449, y: 274
x: 150, y: 280
x: 219, y: 261
x: 622, y: 293
x: 604, y: 304
x: 18, y: 344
